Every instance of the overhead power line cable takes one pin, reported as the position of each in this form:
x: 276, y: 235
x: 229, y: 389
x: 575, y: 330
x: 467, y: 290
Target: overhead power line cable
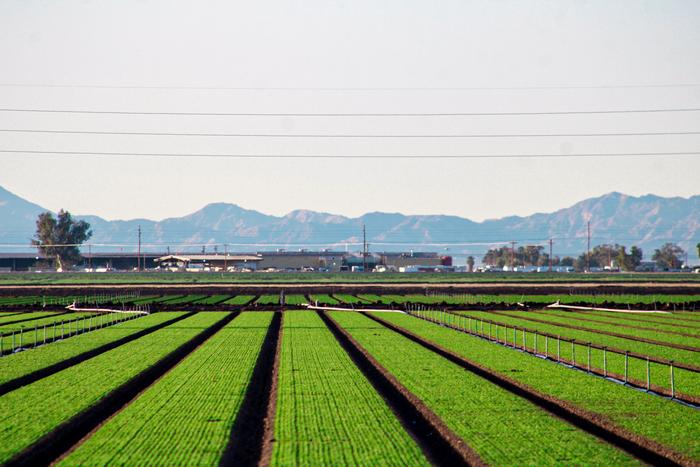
x: 355, y: 88
x: 350, y: 135
x: 350, y: 156
x: 351, y: 114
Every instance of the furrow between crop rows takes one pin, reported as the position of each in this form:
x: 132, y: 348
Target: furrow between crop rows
x: 670, y: 427
x: 45, y: 419
x: 523, y: 427
x: 28, y: 367
x: 327, y: 411
x: 190, y: 411
x: 250, y: 438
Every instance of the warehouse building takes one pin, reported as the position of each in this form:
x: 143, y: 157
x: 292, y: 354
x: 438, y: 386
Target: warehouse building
x: 302, y: 260
x: 121, y: 261
x: 280, y: 260
x: 215, y: 262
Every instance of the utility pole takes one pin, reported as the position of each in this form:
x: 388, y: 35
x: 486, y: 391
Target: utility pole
x: 364, y: 248
x: 588, y: 250
x: 225, y: 257
x: 138, y: 258
x: 512, y: 255
x: 90, y: 255
x: 550, y: 254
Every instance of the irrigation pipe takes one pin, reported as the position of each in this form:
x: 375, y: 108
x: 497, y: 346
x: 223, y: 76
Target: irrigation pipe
x: 590, y: 308
x: 73, y: 307
x: 332, y: 308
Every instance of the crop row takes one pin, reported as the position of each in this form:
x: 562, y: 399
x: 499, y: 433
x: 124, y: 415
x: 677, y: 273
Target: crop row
x: 203, y: 395
x: 52, y: 329
x: 239, y: 300
x: 24, y: 363
x: 327, y: 412
x: 44, y: 300
x: 500, y: 426
x: 31, y: 412
x: 324, y: 299
x: 295, y: 300
x: 680, y: 336
x: 661, y: 351
x: 659, y: 419
x: 661, y: 323
x: 659, y: 373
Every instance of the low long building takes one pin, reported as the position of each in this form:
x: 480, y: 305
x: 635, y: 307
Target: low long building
x: 303, y: 260
x: 215, y: 262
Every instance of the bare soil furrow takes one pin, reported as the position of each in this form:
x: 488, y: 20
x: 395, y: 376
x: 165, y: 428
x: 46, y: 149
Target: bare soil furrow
x: 252, y: 434
x: 64, y: 438
x: 643, y: 448
x: 438, y: 442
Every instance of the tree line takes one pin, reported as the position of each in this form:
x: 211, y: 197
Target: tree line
x: 614, y: 256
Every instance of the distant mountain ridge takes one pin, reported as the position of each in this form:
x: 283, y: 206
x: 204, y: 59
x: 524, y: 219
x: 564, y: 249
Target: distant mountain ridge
x: 647, y: 221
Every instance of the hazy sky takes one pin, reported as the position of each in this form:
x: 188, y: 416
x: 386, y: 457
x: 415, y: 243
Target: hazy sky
x: 355, y: 56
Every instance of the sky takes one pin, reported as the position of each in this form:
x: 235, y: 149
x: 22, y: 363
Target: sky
x: 346, y: 57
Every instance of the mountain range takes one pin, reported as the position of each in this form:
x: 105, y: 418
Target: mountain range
x: 646, y: 221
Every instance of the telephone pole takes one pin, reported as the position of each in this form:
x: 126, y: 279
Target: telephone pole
x: 588, y: 251
x: 364, y: 248
x: 138, y: 257
x: 225, y: 257
x: 550, y: 254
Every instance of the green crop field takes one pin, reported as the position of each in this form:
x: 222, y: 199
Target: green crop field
x: 239, y: 300
x: 283, y: 386
x: 268, y: 300
x: 295, y: 300
x: 671, y: 424
x: 224, y: 366
x: 327, y: 413
x: 324, y: 299
x: 40, y: 407
x: 212, y: 277
x: 523, y: 427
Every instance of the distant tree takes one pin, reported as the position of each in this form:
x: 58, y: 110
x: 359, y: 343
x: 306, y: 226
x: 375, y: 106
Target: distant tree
x: 470, y: 263
x: 59, y: 237
x: 698, y: 247
x: 610, y: 255
x: 669, y: 256
x: 567, y: 261
x: 628, y: 261
x: 635, y: 258
x: 528, y: 255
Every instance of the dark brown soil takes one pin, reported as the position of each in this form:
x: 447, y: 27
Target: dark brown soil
x: 69, y: 362
x: 250, y: 442
x: 643, y: 448
x: 61, y: 440
x: 438, y: 442
x: 531, y: 288
x: 269, y: 438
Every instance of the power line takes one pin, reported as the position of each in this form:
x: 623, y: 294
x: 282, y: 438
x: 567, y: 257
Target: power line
x: 360, y: 114
x: 351, y: 156
x: 355, y: 89
x: 350, y: 135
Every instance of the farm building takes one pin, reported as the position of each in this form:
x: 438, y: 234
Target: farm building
x: 301, y: 260
x: 425, y: 259
x: 205, y: 262
x: 10, y: 262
